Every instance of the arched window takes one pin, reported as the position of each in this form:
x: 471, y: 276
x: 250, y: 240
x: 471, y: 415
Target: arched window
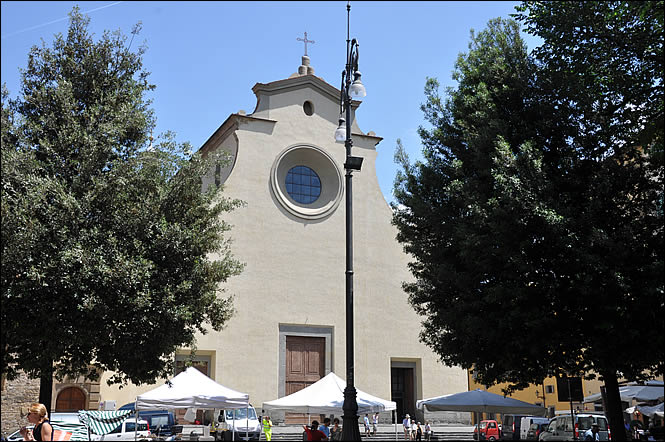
x: 70, y: 399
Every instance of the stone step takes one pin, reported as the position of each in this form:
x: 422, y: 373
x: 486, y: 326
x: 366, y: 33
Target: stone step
x: 437, y: 436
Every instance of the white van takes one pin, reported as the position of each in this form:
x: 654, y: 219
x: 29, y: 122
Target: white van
x: 239, y: 424
x: 526, y: 424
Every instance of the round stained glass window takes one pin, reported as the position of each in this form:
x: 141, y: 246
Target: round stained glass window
x: 303, y: 184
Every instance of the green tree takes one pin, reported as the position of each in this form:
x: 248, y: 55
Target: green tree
x: 535, y: 221
x: 112, y: 252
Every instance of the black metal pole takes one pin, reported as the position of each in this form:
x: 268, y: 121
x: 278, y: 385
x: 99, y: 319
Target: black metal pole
x: 350, y: 430
x: 572, y: 412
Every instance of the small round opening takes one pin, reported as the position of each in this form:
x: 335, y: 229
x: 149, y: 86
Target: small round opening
x: 308, y: 107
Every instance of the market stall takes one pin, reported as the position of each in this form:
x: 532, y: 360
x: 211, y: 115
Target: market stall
x: 192, y: 389
x: 326, y: 396
x: 480, y: 401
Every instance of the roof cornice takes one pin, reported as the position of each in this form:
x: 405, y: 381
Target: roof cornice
x: 280, y: 86
x: 229, y: 125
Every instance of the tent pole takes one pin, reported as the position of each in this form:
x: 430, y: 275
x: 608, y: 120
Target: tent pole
x: 475, y: 415
x: 395, y: 422
x: 87, y: 425
x: 136, y: 419
x: 247, y: 423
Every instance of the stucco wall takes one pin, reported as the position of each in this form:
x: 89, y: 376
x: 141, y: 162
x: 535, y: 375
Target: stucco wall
x: 295, y: 268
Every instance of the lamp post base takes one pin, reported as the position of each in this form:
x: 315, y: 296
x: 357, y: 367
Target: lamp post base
x: 350, y: 430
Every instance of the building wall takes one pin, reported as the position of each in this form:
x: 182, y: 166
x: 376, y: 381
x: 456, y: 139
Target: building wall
x: 17, y: 395
x: 540, y: 394
x: 544, y: 394
x: 295, y: 268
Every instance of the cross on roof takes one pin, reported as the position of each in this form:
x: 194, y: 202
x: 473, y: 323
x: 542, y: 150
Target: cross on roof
x: 306, y: 41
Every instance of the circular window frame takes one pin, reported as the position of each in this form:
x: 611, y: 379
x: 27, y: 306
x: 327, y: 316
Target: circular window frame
x: 325, y: 167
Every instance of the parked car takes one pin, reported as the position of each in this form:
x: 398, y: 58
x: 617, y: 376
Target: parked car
x: 161, y: 422
x: 536, y: 429
x: 489, y: 430
x: 126, y: 431
x: 563, y: 427
x: 511, y: 426
x: 77, y: 431
x: 55, y: 417
x: 527, y: 421
x: 16, y: 435
x: 70, y: 418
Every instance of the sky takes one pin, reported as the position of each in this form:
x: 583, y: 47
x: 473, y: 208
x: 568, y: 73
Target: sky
x: 205, y: 57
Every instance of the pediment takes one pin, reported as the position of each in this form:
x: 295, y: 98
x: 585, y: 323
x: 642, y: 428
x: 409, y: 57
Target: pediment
x: 298, y: 82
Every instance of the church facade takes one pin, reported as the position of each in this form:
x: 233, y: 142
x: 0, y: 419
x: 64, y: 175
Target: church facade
x: 289, y: 327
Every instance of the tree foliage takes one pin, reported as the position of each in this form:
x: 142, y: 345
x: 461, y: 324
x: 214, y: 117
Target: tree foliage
x: 535, y: 221
x: 112, y: 255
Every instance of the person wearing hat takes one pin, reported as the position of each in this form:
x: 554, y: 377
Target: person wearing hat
x: 406, y: 423
x: 592, y: 433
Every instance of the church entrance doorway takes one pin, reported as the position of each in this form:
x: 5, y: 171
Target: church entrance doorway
x: 305, y: 364
x: 70, y: 399
x: 402, y: 391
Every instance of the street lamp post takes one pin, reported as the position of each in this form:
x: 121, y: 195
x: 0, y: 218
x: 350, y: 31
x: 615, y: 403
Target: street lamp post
x: 348, y: 91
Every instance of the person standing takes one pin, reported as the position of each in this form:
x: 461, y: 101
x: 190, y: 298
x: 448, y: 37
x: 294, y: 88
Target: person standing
x: 38, y: 417
x: 336, y: 430
x: 428, y: 431
x: 375, y: 423
x: 419, y: 432
x: 314, y: 433
x: 413, y: 429
x: 406, y: 423
x: 267, y: 427
x: 366, y: 422
x: 325, y: 428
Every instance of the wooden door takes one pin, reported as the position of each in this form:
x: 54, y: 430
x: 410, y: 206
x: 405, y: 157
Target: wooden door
x: 305, y: 364
x: 70, y: 399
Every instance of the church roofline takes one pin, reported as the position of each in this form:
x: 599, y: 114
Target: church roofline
x: 229, y: 125
x: 374, y: 137
x: 280, y: 86
x: 277, y: 86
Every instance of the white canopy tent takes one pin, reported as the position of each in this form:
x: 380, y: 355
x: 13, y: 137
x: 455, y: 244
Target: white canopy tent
x: 652, y: 391
x: 191, y: 389
x: 326, y: 396
x: 651, y: 411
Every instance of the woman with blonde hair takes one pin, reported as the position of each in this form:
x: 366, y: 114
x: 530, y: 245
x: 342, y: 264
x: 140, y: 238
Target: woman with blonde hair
x: 39, y: 418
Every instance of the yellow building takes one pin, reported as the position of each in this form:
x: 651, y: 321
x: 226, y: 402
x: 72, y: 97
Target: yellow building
x: 546, y: 394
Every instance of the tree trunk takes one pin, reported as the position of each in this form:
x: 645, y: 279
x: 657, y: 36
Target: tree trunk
x: 46, y: 389
x: 613, y: 411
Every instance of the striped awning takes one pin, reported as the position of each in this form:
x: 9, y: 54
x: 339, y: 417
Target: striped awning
x: 70, y: 431
x: 103, y: 422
